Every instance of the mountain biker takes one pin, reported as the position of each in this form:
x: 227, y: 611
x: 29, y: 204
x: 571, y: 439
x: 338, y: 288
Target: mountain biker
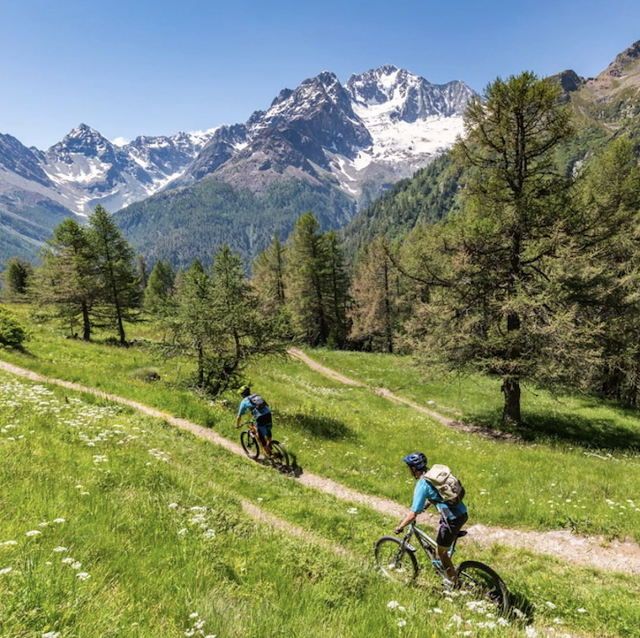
x: 453, y: 517
x: 262, y: 415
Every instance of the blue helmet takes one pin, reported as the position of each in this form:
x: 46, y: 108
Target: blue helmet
x: 416, y: 461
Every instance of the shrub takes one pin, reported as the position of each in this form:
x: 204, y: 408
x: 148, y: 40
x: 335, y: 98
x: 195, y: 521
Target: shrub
x: 146, y: 374
x: 12, y: 334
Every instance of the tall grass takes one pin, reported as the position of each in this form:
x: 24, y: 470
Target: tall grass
x: 141, y: 528
x: 359, y: 439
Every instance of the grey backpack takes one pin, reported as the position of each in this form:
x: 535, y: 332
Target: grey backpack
x: 446, y: 484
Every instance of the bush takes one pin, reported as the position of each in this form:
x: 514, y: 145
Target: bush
x: 146, y: 374
x: 12, y: 334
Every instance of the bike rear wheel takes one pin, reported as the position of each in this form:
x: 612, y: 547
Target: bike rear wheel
x: 281, y: 458
x: 395, y: 561
x: 249, y: 444
x: 484, y: 583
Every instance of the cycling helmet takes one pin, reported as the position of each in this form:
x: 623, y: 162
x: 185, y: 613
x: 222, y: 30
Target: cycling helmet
x: 244, y: 391
x: 416, y: 461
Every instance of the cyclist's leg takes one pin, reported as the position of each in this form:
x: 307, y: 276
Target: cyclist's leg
x: 264, y: 430
x: 447, y: 533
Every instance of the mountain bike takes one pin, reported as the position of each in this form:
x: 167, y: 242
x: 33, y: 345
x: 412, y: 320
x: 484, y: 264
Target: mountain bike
x: 252, y: 446
x: 397, y: 560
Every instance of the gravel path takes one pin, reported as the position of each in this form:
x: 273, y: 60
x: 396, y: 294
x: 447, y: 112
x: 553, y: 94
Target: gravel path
x: 596, y: 552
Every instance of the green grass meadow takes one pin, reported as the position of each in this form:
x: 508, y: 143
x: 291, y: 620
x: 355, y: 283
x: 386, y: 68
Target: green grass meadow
x: 112, y: 524
x: 126, y: 485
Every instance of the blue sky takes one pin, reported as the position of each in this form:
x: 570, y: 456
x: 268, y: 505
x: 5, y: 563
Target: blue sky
x: 157, y: 67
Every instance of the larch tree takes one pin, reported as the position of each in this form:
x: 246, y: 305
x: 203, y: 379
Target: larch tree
x: 306, y: 281
x: 606, y: 278
x: 16, y: 278
x: 116, y: 267
x: 268, y: 276
x: 373, y: 313
x: 493, y: 304
x: 337, y: 291
x: 160, y: 288
x: 67, y: 281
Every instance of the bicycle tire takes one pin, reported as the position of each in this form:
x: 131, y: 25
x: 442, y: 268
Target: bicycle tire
x: 393, y: 562
x: 282, y: 458
x: 249, y: 445
x: 481, y: 578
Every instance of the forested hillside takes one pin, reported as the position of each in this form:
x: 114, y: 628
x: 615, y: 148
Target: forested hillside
x: 603, y: 109
x: 187, y: 224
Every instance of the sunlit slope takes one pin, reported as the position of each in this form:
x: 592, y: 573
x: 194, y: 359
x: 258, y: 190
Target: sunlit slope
x: 116, y: 525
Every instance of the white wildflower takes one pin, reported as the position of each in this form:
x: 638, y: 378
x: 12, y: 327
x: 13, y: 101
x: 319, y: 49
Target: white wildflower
x: 558, y: 621
x: 210, y: 533
x: 195, y: 614
x: 392, y: 604
x: 182, y: 531
x: 353, y: 510
x: 76, y: 565
x: 43, y: 524
x: 437, y: 610
x: 6, y: 570
x: 503, y: 622
x: 83, y: 575
x: 51, y: 634
x: 582, y: 611
x: 60, y: 549
x: 33, y: 532
x: 172, y: 505
x: 259, y: 499
x: 550, y: 605
x: 59, y: 520
x: 402, y: 623
x: 9, y: 543
x: 67, y: 561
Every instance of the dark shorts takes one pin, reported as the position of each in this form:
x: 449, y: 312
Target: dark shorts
x: 264, y: 425
x: 449, y: 529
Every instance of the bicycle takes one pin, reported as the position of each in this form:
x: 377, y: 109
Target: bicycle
x: 252, y: 446
x: 397, y: 560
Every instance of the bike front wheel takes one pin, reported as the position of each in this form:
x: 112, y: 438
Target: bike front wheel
x: 485, y: 583
x: 280, y: 457
x: 395, y: 560
x: 249, y: 444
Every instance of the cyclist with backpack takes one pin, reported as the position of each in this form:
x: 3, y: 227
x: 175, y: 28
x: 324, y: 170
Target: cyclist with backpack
x: 261, y: 413
x: 438, y: 486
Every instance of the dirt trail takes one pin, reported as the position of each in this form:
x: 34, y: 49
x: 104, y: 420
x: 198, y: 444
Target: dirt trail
x: 262, y: 516
x: 619, y: 556
x: 387, y: 394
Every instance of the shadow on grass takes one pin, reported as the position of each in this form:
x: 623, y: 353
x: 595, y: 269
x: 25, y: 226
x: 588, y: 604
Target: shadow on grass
x: 525, y: 608
x: 320, y: 426
x: 600, y: 433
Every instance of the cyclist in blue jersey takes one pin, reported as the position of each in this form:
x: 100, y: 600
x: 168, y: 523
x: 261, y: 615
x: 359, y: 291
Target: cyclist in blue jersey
x: 453, y: 517
x: 261, y: 413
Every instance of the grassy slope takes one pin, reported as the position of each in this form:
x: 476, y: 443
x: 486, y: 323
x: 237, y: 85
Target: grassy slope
x: 357, y: 438
x: 146, y: 577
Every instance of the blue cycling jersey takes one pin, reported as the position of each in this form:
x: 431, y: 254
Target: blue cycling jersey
x: 245, y: 405
x: 424, y: 492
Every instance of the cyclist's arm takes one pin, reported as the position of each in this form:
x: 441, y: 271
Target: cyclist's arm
x: 241, y: 410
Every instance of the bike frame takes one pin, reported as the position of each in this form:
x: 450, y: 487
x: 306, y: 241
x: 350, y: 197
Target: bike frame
x: 256, y: 435
x: 428, y: 544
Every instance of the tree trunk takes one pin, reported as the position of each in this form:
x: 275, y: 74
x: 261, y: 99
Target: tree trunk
x: 86, y: 322
x: 387, y: 309
x: 511, y: 389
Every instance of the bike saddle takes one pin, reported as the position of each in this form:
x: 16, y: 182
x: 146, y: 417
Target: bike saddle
x: 462, y: 533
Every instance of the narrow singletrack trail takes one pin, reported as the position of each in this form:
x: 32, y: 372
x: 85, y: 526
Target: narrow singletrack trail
x: 387, y: 394
x: 595, y: 552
